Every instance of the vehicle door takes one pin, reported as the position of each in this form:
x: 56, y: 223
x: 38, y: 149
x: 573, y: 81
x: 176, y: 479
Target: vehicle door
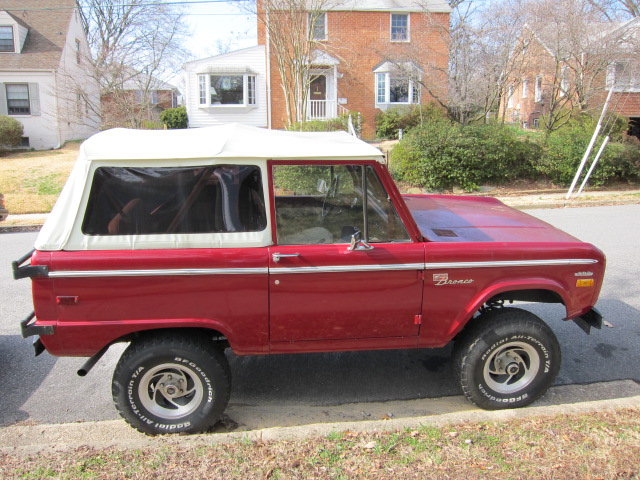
x: 344, y: 266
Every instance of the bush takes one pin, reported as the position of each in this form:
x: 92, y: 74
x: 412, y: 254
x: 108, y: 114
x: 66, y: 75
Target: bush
x: 337, y: 124
x: 405, y: 117
x: 151, y: 125
x: 11, y: 132
x: 175, y: 118
x: 441, y: 155
x: 566, y: 147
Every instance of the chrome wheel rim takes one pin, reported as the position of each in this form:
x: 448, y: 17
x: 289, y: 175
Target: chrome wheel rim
x: 171, y: 391
x: 511, y: 367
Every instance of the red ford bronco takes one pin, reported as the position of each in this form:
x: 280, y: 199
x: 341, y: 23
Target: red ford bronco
x: 184, y: 243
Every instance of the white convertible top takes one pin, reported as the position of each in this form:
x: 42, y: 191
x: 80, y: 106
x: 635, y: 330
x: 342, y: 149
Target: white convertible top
x: 226, y: 141
x: 232, y: 143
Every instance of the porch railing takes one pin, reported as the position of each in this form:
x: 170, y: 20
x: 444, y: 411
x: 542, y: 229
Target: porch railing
x: 322, y: 109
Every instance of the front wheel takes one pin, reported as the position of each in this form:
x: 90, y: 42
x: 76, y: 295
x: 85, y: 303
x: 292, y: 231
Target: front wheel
x: 171, y: 383
x: 508, y: 359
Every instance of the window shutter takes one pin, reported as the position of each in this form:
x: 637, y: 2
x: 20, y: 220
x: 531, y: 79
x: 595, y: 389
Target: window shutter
x: 3, y: 100
x: 34, y: 98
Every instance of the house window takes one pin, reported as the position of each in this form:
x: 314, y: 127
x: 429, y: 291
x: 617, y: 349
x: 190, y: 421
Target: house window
x: 399, y: 27
x: 538, y: 89
x: 227, y: 90
x: 77, y: 49
x: 621, y: 77
x: 318, y: 25
x: 251, y: 86
x: 154, y: 97
x: 525, y: 88
x: 6, y: 40
x: 18, y: 99
x: 536, y: 123
x: 395, y: 88
x: 202, y: 88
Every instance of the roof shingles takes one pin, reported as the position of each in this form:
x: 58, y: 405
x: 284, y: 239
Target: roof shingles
x: 47, y: 33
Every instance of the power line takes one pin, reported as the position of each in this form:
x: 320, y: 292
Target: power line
x: 151, y: 4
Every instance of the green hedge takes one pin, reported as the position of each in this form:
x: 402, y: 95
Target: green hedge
x: 441, y: 155
x: 405, y: 117
x: 565, y: 148
x: 175, y: 118
x: 331, y: 125
x: 11, y: 132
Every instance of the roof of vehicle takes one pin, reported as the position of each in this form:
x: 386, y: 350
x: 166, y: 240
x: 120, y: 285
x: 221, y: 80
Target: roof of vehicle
x: 225, y: 144
x: 233, y: 141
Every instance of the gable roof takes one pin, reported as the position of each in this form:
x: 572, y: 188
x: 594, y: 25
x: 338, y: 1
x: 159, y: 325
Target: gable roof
x: 48, y: 24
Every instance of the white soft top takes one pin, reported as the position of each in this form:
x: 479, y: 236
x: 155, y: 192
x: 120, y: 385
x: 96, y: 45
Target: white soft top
x: 232, y: 143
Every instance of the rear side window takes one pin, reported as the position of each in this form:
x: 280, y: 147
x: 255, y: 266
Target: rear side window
x: 142, y: 201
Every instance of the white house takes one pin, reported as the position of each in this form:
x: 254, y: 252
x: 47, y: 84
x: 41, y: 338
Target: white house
x: 227, y: 88
x: 45, y: 80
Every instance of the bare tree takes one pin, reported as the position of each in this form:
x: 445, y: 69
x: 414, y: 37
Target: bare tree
x: 133, y: 46
x: 292, y: 42
x: 613, y: 10
x: 577, y: 49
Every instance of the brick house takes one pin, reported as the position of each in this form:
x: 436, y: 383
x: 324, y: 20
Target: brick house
x: 368, y: 56
x: 138, y: 98
x: 43, y: 80
x: 548, y: 78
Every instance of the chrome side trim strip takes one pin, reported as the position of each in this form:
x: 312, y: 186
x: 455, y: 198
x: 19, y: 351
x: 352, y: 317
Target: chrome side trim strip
x: 158, y: 272
x: 511, y: 263
x: 326, y: 269
x: 349, y: 268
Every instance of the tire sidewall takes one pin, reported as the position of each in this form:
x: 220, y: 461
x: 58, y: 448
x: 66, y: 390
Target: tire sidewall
x: 130, y: 376
x: 485, y: 396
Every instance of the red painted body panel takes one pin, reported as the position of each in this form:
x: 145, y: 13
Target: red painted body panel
x: 110, y: 307
x: 371, y: 304
x: 345, y: 304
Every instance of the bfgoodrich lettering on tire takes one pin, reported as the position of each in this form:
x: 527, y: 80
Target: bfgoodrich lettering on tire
x: 507, y: 359
x: 171, y: 383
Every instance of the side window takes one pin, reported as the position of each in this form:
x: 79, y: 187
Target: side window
x: 323, y: 204
x: 140, y: 201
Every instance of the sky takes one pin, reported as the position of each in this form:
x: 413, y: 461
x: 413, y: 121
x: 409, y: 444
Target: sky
x: 223, y: 24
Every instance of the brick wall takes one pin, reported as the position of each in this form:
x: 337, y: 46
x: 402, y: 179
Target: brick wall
x: 361, y: 41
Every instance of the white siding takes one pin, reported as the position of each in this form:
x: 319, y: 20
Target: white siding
x: 252, y: 58
x: 42, y: 129
x: 73, y: 78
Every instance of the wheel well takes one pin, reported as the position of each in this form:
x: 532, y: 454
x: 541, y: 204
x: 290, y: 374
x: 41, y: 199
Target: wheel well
x: 498, y: 300
x: 213, y: 335
x: 533, y: 295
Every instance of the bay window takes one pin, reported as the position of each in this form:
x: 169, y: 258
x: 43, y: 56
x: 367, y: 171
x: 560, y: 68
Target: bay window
x: 396, y: 88
x: 226, y: 89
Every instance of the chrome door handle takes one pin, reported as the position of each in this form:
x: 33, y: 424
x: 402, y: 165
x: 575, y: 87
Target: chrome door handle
x: 277, y: 256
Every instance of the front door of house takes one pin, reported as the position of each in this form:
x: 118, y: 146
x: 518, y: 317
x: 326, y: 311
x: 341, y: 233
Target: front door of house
x: 318, y: 97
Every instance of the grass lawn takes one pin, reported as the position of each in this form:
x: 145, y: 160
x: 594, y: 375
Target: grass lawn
x: 32, y: 181
x: 597, y: 445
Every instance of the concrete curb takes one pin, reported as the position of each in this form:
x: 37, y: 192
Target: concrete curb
x: 35, y: 439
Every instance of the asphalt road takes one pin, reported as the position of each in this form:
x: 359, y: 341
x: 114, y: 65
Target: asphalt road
x: 47, y: 390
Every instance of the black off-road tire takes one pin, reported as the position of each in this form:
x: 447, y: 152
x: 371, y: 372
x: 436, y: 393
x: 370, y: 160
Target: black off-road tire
x: 507, y: 359
x: 172, y: 383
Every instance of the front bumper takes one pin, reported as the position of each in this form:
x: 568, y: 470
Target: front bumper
x: 593, y: 318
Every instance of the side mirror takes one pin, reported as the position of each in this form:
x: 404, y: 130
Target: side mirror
x: 357, y: 243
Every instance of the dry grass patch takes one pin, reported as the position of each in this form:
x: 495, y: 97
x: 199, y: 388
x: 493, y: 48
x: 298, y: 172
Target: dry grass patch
x: 589, y: 446
x: 32, y: 181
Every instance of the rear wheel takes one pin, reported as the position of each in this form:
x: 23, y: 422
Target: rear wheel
x: 508, y: 359
x: 171, y: 383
